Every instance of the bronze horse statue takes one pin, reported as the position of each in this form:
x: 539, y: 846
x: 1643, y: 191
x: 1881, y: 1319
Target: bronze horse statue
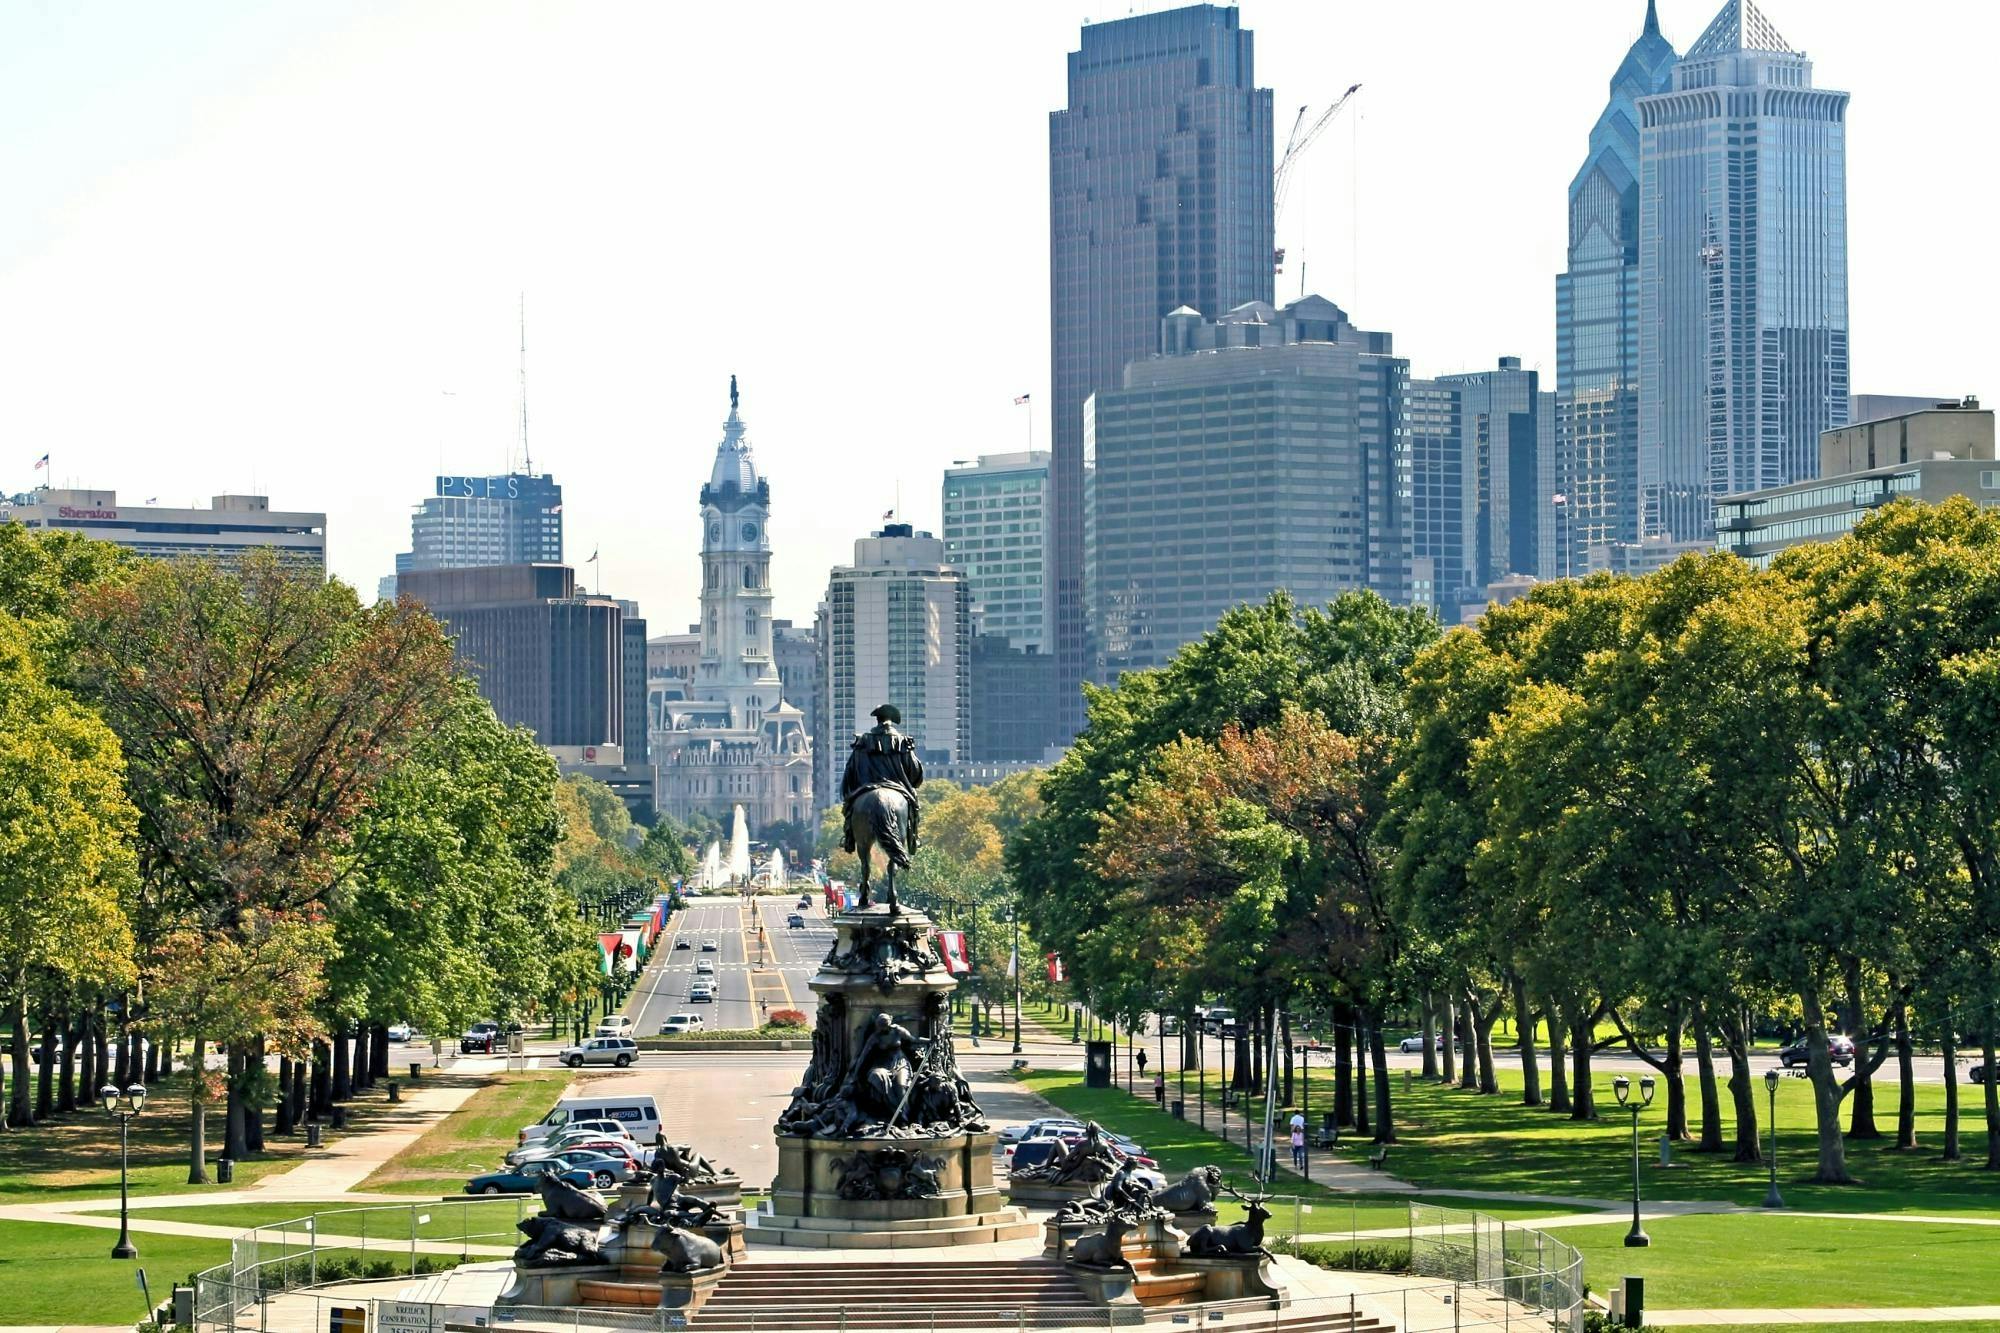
x: 880, y: 819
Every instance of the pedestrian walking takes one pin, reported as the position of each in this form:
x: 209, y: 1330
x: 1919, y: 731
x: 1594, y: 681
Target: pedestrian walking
x: 1160, y: 1088
x: 1298, y: 1141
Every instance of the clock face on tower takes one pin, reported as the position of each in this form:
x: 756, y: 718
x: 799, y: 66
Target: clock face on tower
x: 749, y: 532
x: 714, y: 533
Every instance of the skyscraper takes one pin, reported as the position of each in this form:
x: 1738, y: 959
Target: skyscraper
x: 513, y: 519
x: 1159, y: 197
x: 996, y: 527
x: 1475, y: 452
x: 726, y: 737
x: 897, y: 629
x: 1743, y: 349
x: 1593, y: 496
x: 1262, y: 451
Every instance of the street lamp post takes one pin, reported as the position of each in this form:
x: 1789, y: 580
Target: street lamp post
x: 1772, y: 1199
x: 1636, y: 1238
x: 123, y: 1106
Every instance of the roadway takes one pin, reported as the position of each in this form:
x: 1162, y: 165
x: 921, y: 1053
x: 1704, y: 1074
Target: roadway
x: 760, y: 963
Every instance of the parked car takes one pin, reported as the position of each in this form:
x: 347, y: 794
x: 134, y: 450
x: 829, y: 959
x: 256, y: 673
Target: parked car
x: 480, y: 1038
x: 1409, y: 1045
x: 1035, y: 1128
x: 401, y: 1032
x: 1170, y: 1026
x: 1037, y: 1152
x: 606, y: 1168
x: 682, y: 944
x: 572, y: 1137
x: 702, y: 992
x: 526, y: 1178
x: 681, y: 1024
x: 1977, y: 1073
x: 704, y: 966
x: 1839, y: 1049
x: 795, y: 921
x: 618, y: 1051
x: 617, y: 1025
x: 638, y: 1113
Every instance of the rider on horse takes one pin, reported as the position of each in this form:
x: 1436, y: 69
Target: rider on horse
x: 882, y: 758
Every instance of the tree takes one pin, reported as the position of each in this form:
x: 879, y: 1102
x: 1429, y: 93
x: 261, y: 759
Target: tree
x: 66, y: 863
x: 258, y: 714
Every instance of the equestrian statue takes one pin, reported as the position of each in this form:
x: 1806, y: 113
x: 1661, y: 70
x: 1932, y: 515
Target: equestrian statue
x: 878, y: 796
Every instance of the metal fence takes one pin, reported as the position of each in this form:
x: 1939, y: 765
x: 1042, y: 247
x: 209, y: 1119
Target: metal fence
x: 1422, y: 1269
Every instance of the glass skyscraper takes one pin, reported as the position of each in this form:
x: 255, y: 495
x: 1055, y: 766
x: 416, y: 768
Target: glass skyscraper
x: 1594, y: 493
x: 1159, y: 197
x: 1743, y: 347
x: 515, y: 519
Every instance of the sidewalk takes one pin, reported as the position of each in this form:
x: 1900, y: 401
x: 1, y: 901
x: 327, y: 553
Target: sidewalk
x: 352, y: 1158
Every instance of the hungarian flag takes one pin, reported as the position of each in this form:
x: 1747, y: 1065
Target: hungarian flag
x: 951, y: 943
x: 1055, y: 967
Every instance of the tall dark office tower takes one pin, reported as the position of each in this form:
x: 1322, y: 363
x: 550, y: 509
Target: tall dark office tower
x: 1159, y: 197
x: 1595, y: 490
x: 1743, y: 354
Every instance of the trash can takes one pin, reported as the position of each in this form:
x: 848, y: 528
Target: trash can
x: 395, y: 1091
x: 416, y: 1070
x: 1097, y: 1064
x: 315, y: 1135
x: 1180, y: 1109
x: 225, y: 1171
x: 338, y: 1117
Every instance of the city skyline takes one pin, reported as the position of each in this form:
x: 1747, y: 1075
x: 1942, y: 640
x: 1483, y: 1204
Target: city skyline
x: 231, y: 273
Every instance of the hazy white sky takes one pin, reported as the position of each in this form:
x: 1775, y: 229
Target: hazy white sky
x: 278, y: 246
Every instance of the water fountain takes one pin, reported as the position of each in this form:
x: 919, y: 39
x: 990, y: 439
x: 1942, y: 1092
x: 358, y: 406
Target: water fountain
x: 711, y: 866
x: 738, y: 868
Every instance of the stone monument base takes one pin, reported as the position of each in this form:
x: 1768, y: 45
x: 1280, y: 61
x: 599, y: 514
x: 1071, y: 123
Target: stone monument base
x: 1034, y: 1194
x: 768, y: 1227
x: 1158, y: 1271
x: 888, y: 1193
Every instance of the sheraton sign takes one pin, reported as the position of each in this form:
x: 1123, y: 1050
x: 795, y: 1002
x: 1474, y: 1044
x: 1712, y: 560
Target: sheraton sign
x: 70, y: 511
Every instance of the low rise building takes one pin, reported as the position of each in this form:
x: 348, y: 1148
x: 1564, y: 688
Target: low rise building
x: 229, y: 529
x: 1928, y: 455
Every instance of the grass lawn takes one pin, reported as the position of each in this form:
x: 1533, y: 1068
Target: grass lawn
x: 78, y: 1154
x: 1180, y: 1146
x: 65, y: 1275
x: 1452, y: 1139
x: 1888, y: 1326
x: 457, y: 1219
x: 1751, y: 1261
x: 472, y: 1139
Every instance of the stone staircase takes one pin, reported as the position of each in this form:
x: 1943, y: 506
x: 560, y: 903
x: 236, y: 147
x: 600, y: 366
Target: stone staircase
x: 900, y: 1294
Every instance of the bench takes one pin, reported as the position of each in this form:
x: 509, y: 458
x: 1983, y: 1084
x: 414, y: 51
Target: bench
x: 1378, y: 1157
x: 1326, y: 1138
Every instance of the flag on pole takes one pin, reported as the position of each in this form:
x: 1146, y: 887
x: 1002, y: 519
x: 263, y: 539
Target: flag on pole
x: 951, y: 943
x: 41, y: 462
x: 1014, y: 963
x: 888, y: 514
x: 593, y: 556
x: 1022, y: 400
x: 1055, y: 967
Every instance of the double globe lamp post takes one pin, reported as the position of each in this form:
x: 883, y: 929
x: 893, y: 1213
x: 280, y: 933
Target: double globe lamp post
x: 1622, y: 1086
x: 123, y: 1106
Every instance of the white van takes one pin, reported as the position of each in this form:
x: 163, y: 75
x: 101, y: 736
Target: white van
x: 636, y: 1111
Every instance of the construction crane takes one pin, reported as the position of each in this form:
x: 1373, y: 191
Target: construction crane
x: 1295, y: 147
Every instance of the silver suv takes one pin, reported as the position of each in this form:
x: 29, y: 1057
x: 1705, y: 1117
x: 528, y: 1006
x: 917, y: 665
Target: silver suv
x: 618, y: 1051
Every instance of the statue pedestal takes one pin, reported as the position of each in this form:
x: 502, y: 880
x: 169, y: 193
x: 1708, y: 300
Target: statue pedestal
x: 726, y: 1231
x: 882, y: 1145
x: 687, y: 1292
x: 1034, y: 1194
x: 1158, y: 1270
x: 1154, y: 1238
x: 724, y: 1192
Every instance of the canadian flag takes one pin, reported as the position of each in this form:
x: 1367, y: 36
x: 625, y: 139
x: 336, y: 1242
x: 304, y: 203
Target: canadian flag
x: 1055, y: 967
x: 951, y: 943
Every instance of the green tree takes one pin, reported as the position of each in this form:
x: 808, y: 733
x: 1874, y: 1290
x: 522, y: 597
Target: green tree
x: 258, y: 715
x: 65, y: 845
